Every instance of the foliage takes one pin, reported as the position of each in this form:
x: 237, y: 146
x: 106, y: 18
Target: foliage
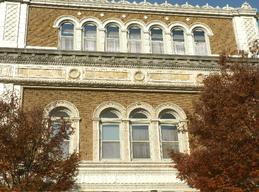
x: 225, y: 131
x: 31, y: 156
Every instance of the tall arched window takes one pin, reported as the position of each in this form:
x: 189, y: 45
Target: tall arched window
x: 90, y: 38
x: 169, y: 134
x: 56, y: 124
x: 200, y: 42
x: 178, y: 41
x: 110, y: 134
x: 135, y: 43
x: 157, y: 41
x: 67, y: 36
x: 140, y: 138
x: 113, y: 39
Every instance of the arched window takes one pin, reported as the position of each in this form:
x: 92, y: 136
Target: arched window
x: 169, y: 134
x: 200, y: 42
x: 113, y: 39
x: 56, y: 124
x: 157, y: 41
x: 178, y: 41
x: 135, y: 43
x: 90, y: 38
x: 140, y: 138
x: 67, y: 36
x: 110, y: 134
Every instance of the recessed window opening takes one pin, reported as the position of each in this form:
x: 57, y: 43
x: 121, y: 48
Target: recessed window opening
x: 90, y: 38
x: 178, y: 42
x: 157, y: 41
x: 200, y: 42
x: 67, y: 36
x: 135, y: 40
x: 113, y: 39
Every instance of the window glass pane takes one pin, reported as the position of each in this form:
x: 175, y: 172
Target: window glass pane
x: 167, y: 146
x: 141, y: 150
x: 58, y: 112
x: 65, y: 149
x: 200, y: 49
x: 90, y: 45
x: 113, y: 45
x: 135, y: 46
x: 110, y: 132
x: 169, y: 133
x: 167, y: 116
x: 110, y: 149
x: 90, y: 31
x: 67, y: 30
x: 113, y: 32
x: 178, y: 35
x: 199, y: 36
x: 156, y: 35
x: 140, y: 133
x: 109, y: 114
x: 157, y: 47
x: 139, y: 115
x: 134, y: 33
x: 179, y: 48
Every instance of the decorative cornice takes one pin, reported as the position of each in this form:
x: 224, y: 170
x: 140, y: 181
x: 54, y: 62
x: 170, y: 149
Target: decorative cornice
x: 106, y: 59
x: 245, y: 9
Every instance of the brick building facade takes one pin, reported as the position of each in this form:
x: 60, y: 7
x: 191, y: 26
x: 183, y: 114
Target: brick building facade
x: 125, y: 73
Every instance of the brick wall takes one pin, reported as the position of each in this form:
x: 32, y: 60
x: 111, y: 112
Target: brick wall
x: 87, y: 101
x: 41, y: 32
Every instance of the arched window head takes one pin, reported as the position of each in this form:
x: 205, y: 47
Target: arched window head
x: 178, y: 41
x: 113, y: 39
x: 157, y: 41
x: 110, y: 134
x: 169, y: 132
x: 90, y: 37
x: 200, y: 42
x: 140, y: 139
x: 135, y: 43
x: 67, y: 36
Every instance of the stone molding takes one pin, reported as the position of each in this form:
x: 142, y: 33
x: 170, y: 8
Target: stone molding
x: 105, y: 59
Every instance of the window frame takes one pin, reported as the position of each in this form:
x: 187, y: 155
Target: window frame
x: 135, y: 40
x: 205, y: 43
x: 61, y: 36
x: 107, y: 39
x: 56, y: 121
x: 169, y: 122
x: 159, y: 41
x: 110, y: 121
x: 140, y: 122
x: 85, y: 38
x: 174, y: 42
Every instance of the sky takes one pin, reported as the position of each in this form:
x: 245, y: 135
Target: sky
x: 213, y: 3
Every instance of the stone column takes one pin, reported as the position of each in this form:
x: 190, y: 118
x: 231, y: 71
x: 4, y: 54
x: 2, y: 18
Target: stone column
x: 190, y: 44
x: 168, y: 43
x: 124, y: 41
x: 156, y: 156
x: 96, y: 138
x: 146, y: 42
x: 78, y: 38
x: 126, y: 155
x: 101, y: 42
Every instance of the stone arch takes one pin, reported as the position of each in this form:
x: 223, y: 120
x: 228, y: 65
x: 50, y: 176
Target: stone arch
x: 140, y: 105
x: 66, y: 18
x: 62, y: 103
x: 93, y: 20
x: 178, y: 24
x: 202, y: 26
x: 108, y: 104
x: 158, y: 24
x: 171, y: 106
x: 135, y: 22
